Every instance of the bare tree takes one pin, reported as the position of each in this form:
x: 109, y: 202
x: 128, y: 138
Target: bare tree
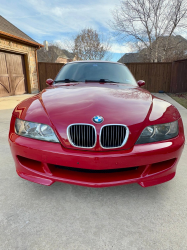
x: 89, y: 45
x: 144, y: 22
x: 172, y: 48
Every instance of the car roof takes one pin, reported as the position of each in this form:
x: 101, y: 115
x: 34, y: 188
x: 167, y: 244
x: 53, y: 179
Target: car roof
x: 91, y: 61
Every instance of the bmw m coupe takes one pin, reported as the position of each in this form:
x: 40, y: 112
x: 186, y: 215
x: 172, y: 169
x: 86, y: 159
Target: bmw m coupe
x: 96, y: 126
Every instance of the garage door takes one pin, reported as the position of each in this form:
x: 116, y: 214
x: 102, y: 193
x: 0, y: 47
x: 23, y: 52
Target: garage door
x: 12, y: 74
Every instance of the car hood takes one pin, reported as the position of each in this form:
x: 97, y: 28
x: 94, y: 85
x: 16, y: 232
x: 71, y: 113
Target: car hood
x: 79, y: 103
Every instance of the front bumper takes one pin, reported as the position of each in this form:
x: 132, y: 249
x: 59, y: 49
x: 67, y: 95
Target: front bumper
x: 41, y: 162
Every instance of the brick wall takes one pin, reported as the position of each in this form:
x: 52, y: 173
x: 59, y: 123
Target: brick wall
x: 30, y: 61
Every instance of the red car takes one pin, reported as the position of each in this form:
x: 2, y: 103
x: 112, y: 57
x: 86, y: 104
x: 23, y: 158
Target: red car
x: 95, y: 126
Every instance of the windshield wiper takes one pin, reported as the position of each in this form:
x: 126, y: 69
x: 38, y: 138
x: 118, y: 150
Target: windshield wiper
x: 66, y: 81
x: 72, y: 80
x: 101, y: 80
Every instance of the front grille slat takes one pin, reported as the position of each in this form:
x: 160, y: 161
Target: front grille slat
x: 118, y: 136
x: 76, y: 135
x: 121, y: 134
x: 89, y: 135
x: 73, y: 130
x: 79, y: 141
x: 107, y: 136
x: 82, y: 135
x: 111, y: 141
x: 113, y: 135
x: 87, y: 131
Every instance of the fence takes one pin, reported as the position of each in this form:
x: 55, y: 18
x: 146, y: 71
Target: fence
x: 166, y: 77
x: 179, y: 77
x: 47, y: 70
x: 157, y: 76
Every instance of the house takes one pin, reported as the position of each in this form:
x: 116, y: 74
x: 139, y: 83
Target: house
x: 130, y: 58
x: 55, y: 54
x: 169, y: 49
x: 18, y: 61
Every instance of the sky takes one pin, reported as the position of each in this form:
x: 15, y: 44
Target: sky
x: 60, y: 20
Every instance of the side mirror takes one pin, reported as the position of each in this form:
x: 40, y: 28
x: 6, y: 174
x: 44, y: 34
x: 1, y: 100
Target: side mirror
x: 49, y: 81
x: 141, y: 83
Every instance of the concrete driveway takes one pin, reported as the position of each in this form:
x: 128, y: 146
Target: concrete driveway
x: 70, y: 217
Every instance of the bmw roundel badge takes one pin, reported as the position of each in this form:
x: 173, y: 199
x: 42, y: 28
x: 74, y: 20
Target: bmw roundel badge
x: 98, y: 119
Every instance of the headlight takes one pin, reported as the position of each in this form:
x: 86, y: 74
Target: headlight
x: 158, y: 133
x: 35, y: 130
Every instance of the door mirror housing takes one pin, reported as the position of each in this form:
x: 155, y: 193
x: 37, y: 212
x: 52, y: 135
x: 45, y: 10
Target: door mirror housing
x: 141, y: 83
x: 49, y: 81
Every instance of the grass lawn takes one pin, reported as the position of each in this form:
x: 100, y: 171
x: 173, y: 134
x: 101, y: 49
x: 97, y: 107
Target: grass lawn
x: 180, y: 98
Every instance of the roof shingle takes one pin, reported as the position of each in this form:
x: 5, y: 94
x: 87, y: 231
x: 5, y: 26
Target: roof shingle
x: 7, y: 27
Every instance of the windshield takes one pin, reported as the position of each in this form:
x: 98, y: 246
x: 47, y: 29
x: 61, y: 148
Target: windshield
x: 96, y: 71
